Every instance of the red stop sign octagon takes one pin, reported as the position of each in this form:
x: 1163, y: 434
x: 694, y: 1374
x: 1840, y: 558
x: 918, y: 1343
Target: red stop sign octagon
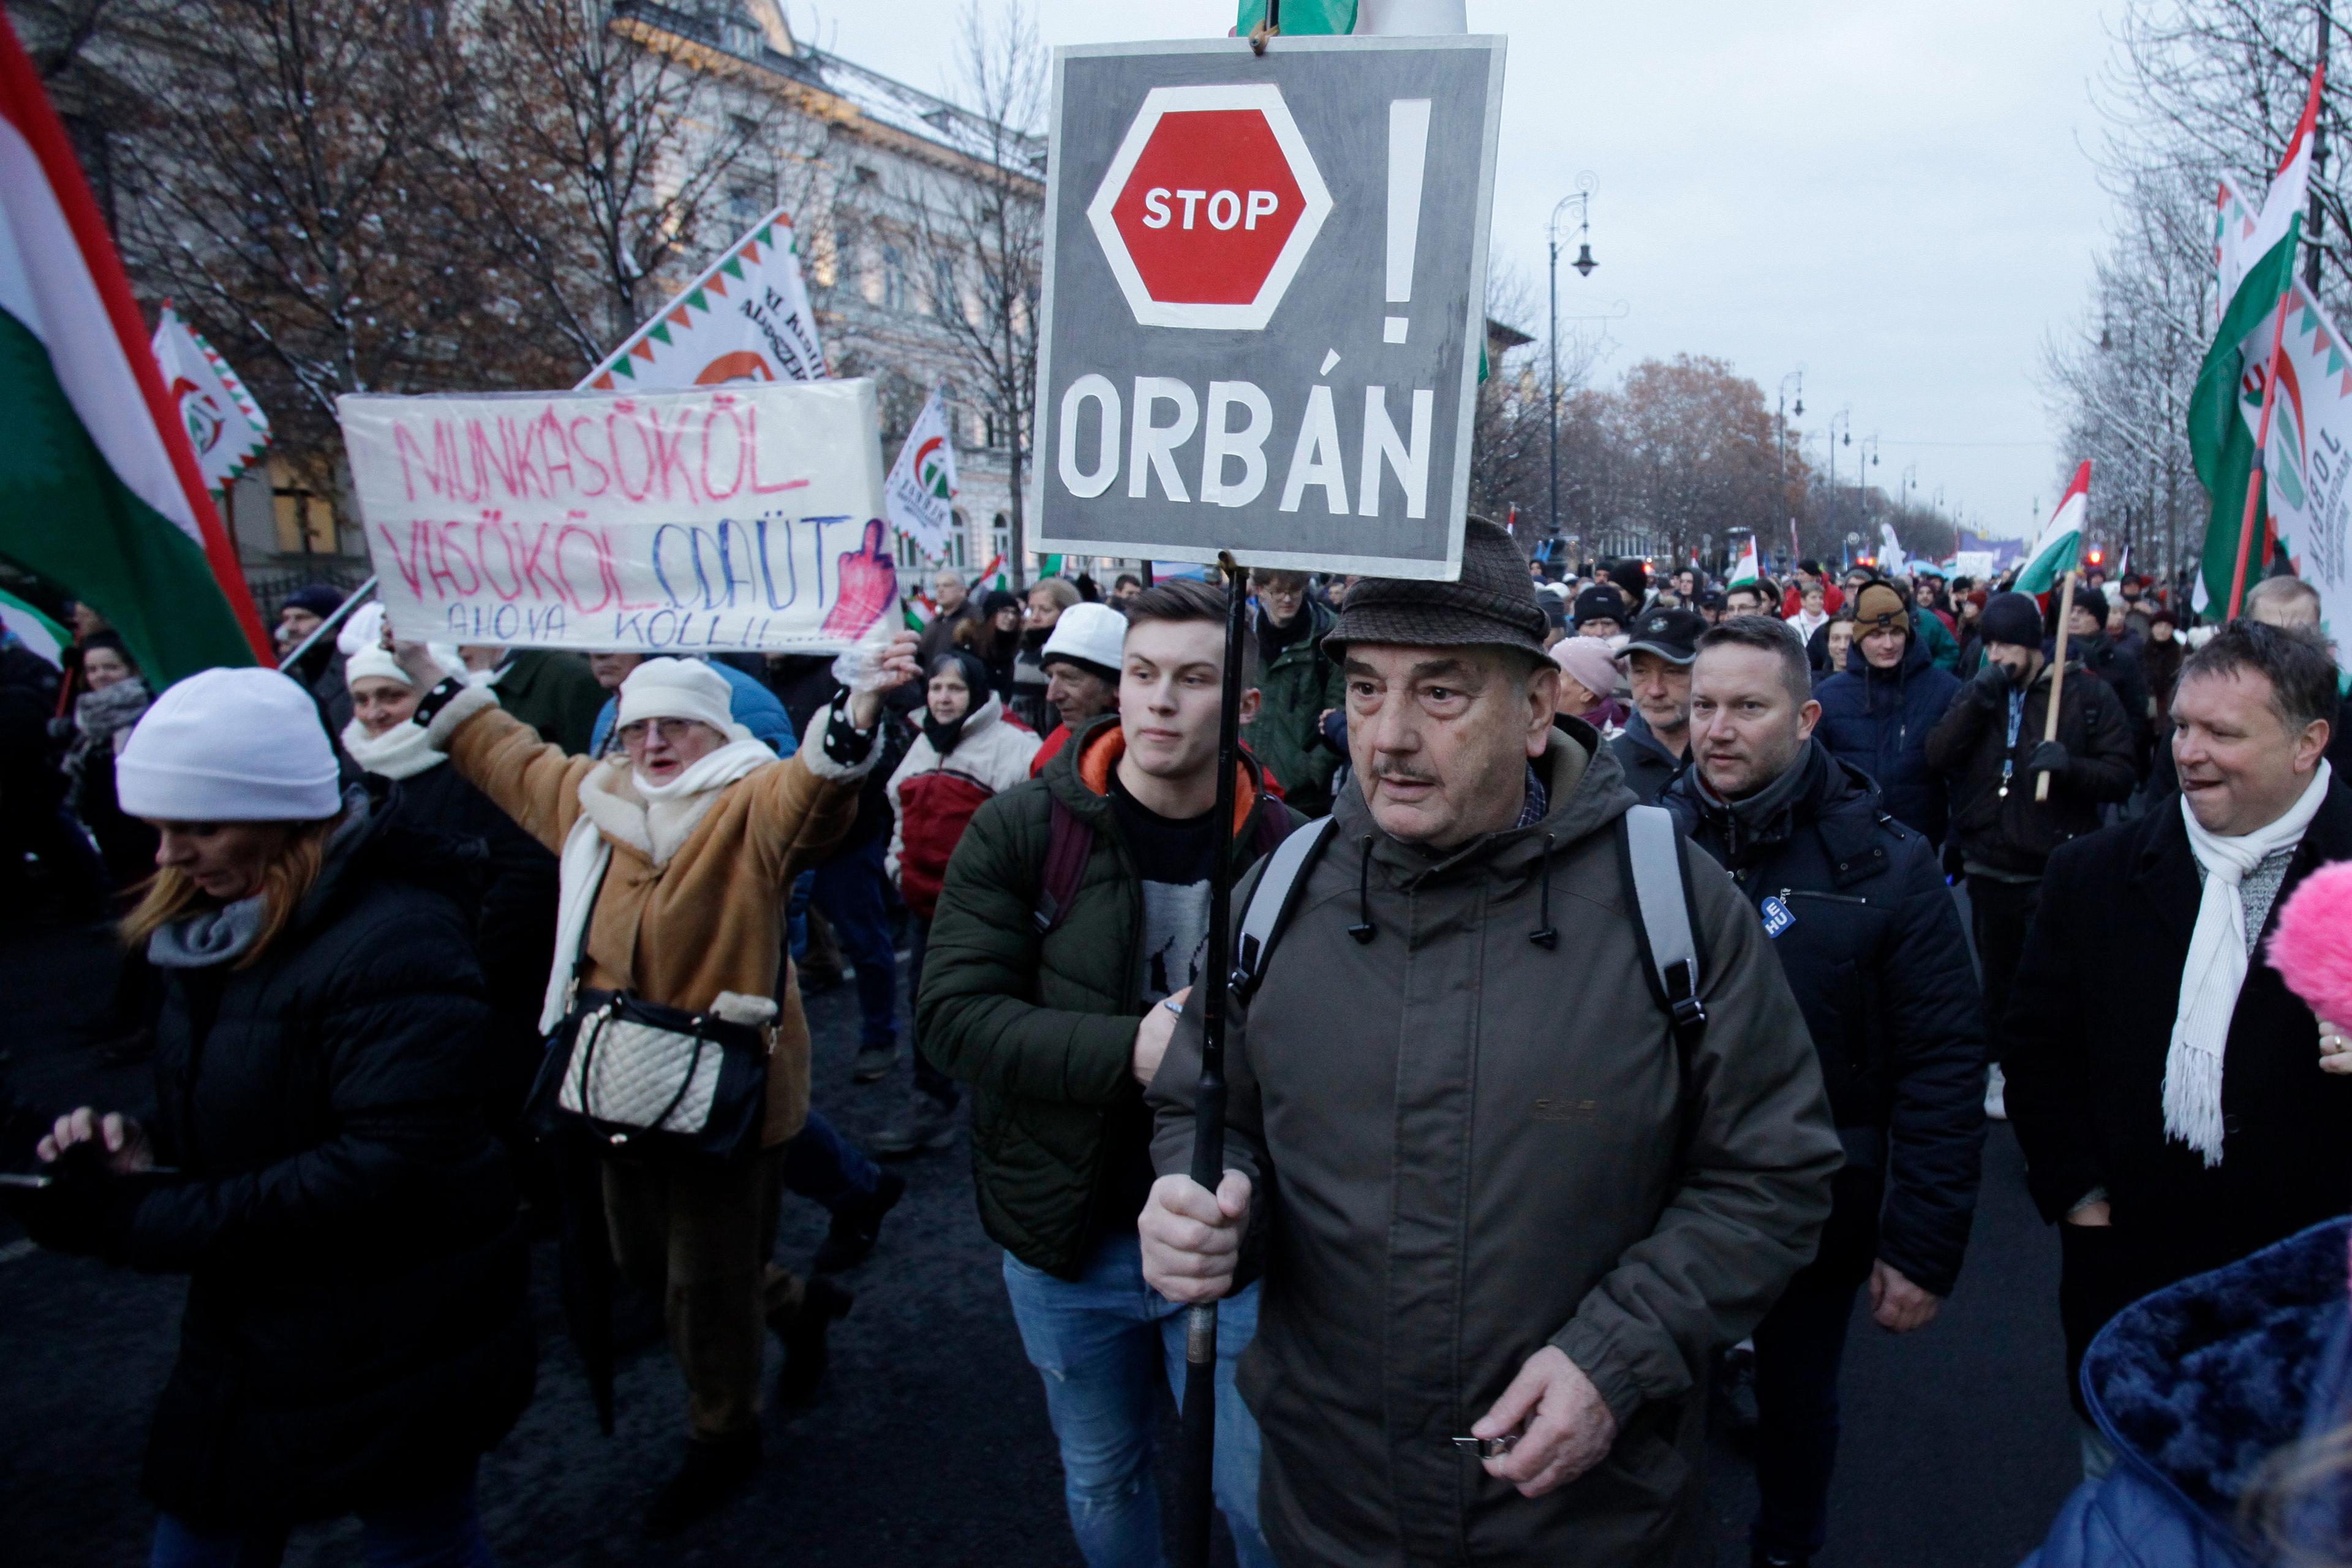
x: 1209, y: 207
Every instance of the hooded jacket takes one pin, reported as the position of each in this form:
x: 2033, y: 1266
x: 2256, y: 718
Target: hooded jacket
x: 356, y: 1328
x: 1879, y: 719
x: 2014, y: 833
x: 1453, y: 1169
x: 1874, y: 950
x: 2195, y: 1387
x: 1644, y: 763
x: 1041, y: 1024
x: 933, y: 797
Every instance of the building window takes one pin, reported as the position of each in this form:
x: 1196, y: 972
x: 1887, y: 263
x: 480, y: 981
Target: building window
x: 1000, y: 541
x: 895, y: 293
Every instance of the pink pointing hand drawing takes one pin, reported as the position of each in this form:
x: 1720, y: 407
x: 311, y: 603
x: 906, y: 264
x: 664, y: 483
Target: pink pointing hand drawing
x: 868, y: 583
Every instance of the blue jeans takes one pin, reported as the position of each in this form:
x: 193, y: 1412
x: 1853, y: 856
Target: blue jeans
x: 826, y: 1168
x: 1105, y: 1344
x: 443, y: 1531
x: 848, y: 889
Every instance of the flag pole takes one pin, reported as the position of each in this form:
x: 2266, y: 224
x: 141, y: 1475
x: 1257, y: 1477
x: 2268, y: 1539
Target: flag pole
x: 2261, y: 448
x: 2058, y: 674
x: 1196, y: 1463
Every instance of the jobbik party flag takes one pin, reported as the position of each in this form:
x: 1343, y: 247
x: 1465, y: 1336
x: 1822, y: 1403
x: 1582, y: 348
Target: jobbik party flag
x: 104, y: 497
x: 746, y: 318
x: 2060, y: 547
x: 921, y: 486
x: 1750, y: 570
x: 2254, y: 253
x: 2309, y: 456
x: 225, y: 425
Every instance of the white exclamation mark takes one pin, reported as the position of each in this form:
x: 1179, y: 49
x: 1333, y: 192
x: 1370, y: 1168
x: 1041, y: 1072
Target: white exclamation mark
x: 1408, y: 151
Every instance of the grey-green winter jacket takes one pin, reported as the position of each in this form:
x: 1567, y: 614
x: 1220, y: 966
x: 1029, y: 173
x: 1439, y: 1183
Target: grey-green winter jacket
x: 1467, y: 1145
x: 1042, y: 1024
x: 1296, y: 688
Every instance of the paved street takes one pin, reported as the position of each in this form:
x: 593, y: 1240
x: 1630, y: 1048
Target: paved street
x: 930, y: 1446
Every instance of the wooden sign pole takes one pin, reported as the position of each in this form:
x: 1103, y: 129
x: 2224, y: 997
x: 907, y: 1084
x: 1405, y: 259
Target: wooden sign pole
x: 2057, y: 678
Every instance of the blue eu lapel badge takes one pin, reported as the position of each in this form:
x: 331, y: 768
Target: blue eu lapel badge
x: 1777, y: 918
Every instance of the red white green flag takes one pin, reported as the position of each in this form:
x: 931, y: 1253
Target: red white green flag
x: 920, y: 491
x: 225, y: 425
x: 1750, y: 570
x: 104, y: 496
x: 746, y: 318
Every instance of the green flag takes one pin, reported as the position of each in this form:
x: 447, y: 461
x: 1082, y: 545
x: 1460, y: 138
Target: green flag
x: 1299, y: 17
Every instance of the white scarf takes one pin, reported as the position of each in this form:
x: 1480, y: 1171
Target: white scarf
x: 400, y: 753
x: 2216, y: 970
x: 657, y: 819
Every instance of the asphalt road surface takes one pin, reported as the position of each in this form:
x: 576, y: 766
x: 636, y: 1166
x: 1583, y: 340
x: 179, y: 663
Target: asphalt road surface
x: 928, y: 1445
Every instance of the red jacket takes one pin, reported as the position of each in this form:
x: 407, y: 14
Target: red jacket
x: 936, y: 796
x: 1792, y: 601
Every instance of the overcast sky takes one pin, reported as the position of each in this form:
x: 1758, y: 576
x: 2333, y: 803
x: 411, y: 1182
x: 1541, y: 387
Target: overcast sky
x: 1897, y: 198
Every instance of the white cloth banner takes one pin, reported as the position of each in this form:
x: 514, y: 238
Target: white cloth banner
x: 921, y: 488
x: 746, y: 318
x: 2310, y: 459
x: 745, y: 517
x: 227, y: 428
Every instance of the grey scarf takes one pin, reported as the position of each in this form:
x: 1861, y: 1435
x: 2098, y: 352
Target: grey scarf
x: 208, y: 937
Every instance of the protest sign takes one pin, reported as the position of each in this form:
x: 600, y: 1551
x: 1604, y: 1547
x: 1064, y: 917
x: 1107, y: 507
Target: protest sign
x: 743, y: 516
x: 746, y: 318
x: 2310, y: 457
x: 1265, y: 299
x: 922, y: 484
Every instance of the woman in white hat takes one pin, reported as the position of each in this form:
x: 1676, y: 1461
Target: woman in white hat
x: 356, y: 1334
x: 676, y: 857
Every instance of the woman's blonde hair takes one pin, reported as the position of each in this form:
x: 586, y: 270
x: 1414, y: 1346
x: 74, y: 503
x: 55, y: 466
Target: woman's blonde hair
x: 293, y: 870
x: 2293, y: 1505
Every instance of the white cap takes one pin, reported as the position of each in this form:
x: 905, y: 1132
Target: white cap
x: 677, y: 688
x: 1090, y: 634
x: 372, y: 660
x: 230, y: 746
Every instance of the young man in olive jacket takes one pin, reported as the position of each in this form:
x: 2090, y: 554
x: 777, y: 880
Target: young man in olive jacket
x: 1504, y: 1236
x: 1868, y: 934
x: 1074, y: 910
x: 1297, y: 684
x: 1988, y: 745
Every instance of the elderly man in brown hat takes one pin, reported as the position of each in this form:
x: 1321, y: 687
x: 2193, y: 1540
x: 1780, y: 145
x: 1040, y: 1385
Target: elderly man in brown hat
x: 1510, y: 1208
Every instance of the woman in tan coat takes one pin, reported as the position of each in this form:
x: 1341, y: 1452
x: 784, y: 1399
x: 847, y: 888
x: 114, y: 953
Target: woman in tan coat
x: 675, y: 858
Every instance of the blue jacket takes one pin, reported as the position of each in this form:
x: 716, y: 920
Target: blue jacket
x: 753, y: 706
x: 1878, y: 719
x: 2196, y: 1386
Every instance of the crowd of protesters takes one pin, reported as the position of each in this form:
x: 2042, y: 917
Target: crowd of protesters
x: 1834, y: 871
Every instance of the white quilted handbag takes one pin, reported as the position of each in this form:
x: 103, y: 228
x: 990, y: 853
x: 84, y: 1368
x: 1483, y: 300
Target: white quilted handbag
x: 630, y: 1074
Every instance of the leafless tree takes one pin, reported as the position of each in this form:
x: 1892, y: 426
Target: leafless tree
x: 981, y: 233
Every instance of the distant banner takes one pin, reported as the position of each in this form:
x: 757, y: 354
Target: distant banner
x: 723, y: 518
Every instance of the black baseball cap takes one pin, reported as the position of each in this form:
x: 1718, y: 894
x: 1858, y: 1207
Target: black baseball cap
x: 1671, y: 634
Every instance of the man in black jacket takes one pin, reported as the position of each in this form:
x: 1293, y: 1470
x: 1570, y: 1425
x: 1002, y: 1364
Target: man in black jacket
x: 1872, y: 946
x: 2087, y: 640
x: 2165, y: 1083
x: 1990, y: 744
x: 1657, y: 668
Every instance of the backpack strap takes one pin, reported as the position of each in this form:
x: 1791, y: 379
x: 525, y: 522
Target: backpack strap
x: 1653, y: 873
x: 1273, y: 899
x: 1067, y: 845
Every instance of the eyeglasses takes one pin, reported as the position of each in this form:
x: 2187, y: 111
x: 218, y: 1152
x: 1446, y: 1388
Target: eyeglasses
x: 638, y: 732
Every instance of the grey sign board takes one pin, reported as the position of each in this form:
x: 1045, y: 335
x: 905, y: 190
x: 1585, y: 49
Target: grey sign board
x: 1266, y: 282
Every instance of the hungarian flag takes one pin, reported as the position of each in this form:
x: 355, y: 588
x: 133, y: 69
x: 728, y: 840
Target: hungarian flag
x: 920, y: 490
x: 2254, y: 257
x: 1750, y: 570
x: 1391, y: 17
x: 43, y: 635
x: 993, y: 577
x: 227, y: 427
x: 104, y: 497
x: 2061, y: 544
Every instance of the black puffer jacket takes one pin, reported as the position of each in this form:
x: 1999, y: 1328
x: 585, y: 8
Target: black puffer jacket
x: 2014, y: 831
x: 510, y: 893
x: 356, y: 1328
x: 1872, y: 947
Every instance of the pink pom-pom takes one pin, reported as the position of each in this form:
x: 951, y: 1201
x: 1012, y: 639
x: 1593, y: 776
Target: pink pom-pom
x: 2312, y: 948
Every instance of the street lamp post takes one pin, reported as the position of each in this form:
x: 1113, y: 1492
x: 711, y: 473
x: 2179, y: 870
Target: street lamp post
x: 1781, y: 447
x: 1581, y: 199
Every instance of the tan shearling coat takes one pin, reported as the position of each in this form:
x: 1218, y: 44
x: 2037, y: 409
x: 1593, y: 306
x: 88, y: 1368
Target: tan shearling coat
x: 712, y: 918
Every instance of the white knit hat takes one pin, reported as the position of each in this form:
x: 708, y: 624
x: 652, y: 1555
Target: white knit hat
x: 1092, y: 634
x: 230, y: 746
x: 372, y: 660
x: 677, y: 688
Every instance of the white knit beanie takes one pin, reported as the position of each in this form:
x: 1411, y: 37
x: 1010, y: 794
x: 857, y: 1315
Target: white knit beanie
x: 372, y: 660
x: 677, y: 688
x: 1092, y: 634
x: 229, y: 745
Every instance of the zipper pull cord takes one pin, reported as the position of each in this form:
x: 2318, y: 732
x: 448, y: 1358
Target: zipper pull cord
x: 1547, y: 935
x: 1363, y: 931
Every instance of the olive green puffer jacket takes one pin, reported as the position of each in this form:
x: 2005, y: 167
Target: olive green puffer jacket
x: 1296, y: 688
x: 1043, y: 1027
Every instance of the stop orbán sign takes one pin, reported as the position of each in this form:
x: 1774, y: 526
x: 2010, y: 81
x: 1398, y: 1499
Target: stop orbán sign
x: 1264, y: 300
x: 1209, y: 207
